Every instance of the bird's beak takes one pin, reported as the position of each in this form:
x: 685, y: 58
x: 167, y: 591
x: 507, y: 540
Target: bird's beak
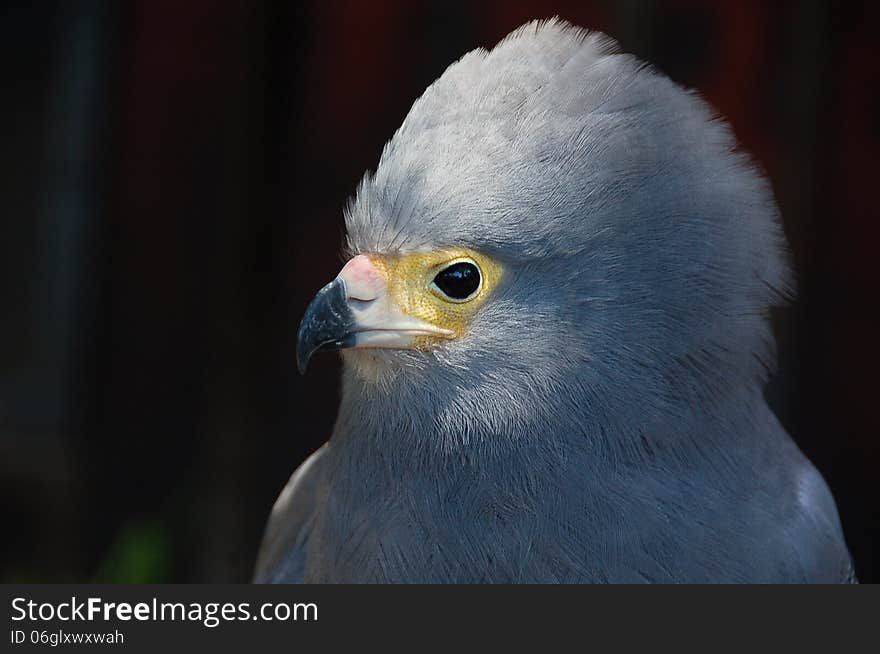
x: 356, y: 310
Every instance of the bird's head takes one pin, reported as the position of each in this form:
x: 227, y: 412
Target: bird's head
x: 554, y: 229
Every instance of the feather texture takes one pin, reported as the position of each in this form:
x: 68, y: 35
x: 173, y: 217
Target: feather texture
x: 603, y: 418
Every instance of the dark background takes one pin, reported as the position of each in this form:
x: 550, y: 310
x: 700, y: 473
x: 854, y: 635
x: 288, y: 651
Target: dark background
x: 172, y: 177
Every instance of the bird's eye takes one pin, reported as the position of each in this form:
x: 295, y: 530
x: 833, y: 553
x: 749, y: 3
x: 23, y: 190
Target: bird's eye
x: 459, y: 281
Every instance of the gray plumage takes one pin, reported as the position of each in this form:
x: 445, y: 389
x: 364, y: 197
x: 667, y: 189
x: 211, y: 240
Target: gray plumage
x: 603, y: 419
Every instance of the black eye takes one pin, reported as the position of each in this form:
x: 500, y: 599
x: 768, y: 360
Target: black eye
x: 458, y: 281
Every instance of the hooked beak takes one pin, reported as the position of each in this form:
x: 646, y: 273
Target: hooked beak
x: 355, y: 310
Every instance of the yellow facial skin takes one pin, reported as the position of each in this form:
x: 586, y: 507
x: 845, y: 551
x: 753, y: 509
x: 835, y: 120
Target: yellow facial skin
x: 408, y: 278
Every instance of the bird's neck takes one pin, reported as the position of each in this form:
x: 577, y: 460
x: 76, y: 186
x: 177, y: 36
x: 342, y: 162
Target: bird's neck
x: 376, y: 423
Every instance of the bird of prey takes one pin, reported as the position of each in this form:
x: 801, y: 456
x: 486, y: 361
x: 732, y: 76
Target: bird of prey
x: 554, y: 333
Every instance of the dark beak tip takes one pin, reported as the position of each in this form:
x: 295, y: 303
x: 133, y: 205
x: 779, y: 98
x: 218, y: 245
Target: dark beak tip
x: 326, y: 324
x: 305, y: 348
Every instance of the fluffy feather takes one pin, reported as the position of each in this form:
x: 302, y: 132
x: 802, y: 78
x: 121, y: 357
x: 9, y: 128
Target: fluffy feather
x: 603, y: 419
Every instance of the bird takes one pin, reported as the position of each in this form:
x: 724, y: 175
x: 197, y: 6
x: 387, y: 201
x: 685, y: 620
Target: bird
x: 553, y: 323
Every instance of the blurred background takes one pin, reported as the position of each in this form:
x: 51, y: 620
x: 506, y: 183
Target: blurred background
x: 172, y: 178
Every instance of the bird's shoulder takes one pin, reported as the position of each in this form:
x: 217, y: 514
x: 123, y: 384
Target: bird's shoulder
x: 815, y: 531
x: 795, y: 511
x: 283, y: 550
x: 766, y: 515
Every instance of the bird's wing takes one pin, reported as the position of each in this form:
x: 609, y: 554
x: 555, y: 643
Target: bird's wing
x: 817, y: 533
x: 282, y: 555
x: 807, y: 518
